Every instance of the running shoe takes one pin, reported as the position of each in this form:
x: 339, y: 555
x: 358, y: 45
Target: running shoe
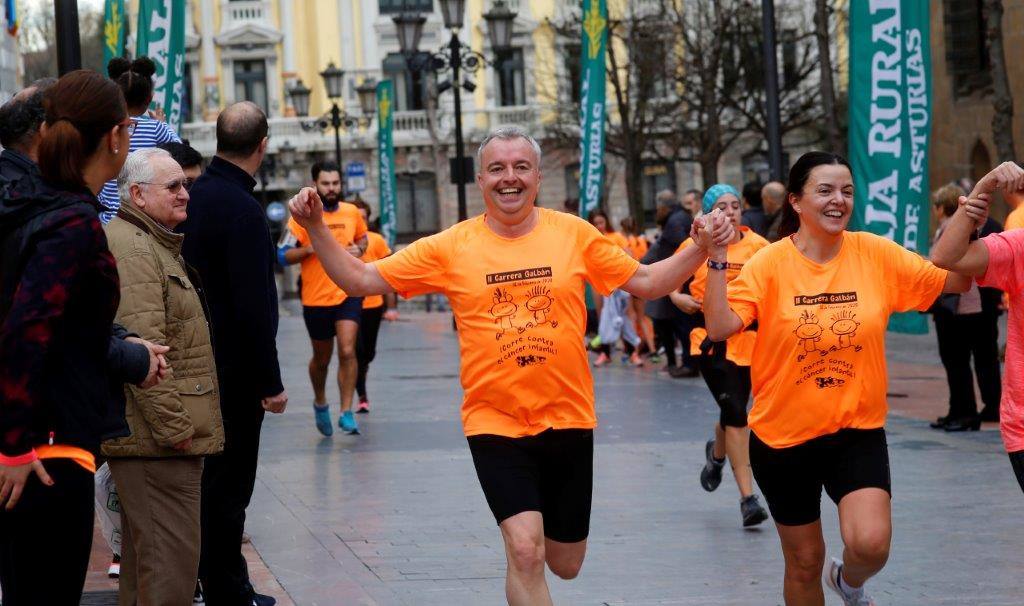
x: 711, y: 473
x: 752, y: 512
x: 636, y: 360
x: 199, y: 597
x: 602, y: 360
x: 259, y: 599
x: 114, y: 571
x: 323, y: 419
x: 595, y: 342
x: 347, y: 423
x: 364, y: 407
x: 855, y: 597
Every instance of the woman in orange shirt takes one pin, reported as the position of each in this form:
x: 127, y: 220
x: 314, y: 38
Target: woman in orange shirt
x: 726, y: 366
x: 822, y: 298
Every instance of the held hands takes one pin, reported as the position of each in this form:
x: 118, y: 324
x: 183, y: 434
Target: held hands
x: 1007, y: 176
x: 306, y: 207
x: 975, y: 208
x: 713, y: 231
x: 158, y: 367
x: 13, y: 478
x: 276, y: 404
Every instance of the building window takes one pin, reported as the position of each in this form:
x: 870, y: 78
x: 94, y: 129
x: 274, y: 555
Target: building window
x: 186, y: 96
x: 966, y: 51
x: 410, y: 86
x: 416, y: 202
x: 572, y: 187
x: 251, y: 82
x: 657, y: 176
x: 574, y: 71
x: 510, y: 69
x: 388, y: 7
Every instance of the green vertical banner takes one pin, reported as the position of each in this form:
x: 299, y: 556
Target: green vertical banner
x: 592, y: 104
x: 890, y: 121
x: 113, y: 30
x: 386, y: 161
x: 161, y: 37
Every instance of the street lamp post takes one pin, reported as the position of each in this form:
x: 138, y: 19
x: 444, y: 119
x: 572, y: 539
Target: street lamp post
x: 455, y: 57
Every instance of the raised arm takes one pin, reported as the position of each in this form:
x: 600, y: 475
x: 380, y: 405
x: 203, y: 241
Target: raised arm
x: 719, y: 319
x: 658, y: 279
x: 353, y: 276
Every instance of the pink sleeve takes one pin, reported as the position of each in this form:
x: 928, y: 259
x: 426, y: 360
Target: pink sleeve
x: 1003, y: 272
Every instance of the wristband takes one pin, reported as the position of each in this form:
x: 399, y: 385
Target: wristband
x: 21, y: 459
x: 718, y: 265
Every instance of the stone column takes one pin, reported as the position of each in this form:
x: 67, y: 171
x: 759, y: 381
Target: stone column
x: 211, y: 107
x: 288, y: 74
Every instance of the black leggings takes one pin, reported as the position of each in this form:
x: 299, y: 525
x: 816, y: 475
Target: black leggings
x: 1017, y: 460
x: 729, y: 384
x: 46, y: 539
x: 673, y: 330
x: 366, y: 346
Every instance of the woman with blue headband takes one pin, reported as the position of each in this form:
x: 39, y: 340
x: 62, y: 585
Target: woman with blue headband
x: 822, y: 297
x: 726, y: 366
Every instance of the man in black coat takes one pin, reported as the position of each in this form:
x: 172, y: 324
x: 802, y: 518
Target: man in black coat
x: 671, y: 324
x: 227, y: 241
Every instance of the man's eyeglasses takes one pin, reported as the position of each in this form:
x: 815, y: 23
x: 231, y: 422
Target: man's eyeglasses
x: 174, y: 186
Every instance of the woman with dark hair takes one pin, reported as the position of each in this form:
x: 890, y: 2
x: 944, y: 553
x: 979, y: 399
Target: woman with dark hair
x: 136, y: 81
x: 726, y: 366
x: 822, y: 298
x: 58, y: 296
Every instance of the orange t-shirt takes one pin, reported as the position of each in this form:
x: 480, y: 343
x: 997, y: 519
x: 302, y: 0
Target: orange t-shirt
x: 346, y: 225
x: 819, y: 359
x: 376, y: 248
x: 618, y: 239
x: 1015, y: 220
x: 740, y: 347
x: 520, y: 313
x: 637, y: 245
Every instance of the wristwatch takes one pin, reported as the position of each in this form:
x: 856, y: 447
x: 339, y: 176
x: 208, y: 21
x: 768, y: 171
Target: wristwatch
x: 719, y: 265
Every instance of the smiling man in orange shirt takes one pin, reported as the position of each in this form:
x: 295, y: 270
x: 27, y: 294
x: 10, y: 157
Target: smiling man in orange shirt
x: 328, y: 311
x: 515, y: 277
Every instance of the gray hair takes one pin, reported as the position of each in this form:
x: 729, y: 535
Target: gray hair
x: 667, y: 197
x: 506, y: 133
x: 138, y: 168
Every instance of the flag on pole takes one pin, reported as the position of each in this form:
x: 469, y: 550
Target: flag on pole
x: 161, y: 37
x: 890, y: 121
x: 113, y: 30
x: 11, y: 14
x: 386, y: 161
x: 592, y: 104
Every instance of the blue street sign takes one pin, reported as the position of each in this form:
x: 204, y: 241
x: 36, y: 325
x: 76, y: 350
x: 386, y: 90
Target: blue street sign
x: 355, y: 176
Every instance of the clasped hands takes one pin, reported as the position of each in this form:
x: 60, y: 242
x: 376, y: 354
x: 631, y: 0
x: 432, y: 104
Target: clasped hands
x: 1007, y: 176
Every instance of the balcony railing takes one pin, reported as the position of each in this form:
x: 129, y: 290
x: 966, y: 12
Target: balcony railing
x: 410, y: 128
x: 236, y: 13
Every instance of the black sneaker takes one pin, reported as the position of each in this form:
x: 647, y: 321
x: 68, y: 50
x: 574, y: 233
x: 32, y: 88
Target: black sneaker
x: 198, y: 597
x: 711, y: 473
x: 752, y: 512
x: 682, y: 372
x: 259, y: 599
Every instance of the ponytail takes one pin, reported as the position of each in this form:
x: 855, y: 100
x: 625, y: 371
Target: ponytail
x: 61, y: 149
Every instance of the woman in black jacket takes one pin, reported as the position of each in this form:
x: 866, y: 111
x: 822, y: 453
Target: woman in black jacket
x: 58, y: 294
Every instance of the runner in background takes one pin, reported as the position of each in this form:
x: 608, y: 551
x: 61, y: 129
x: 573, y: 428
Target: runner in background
x: 822, y: 298
x: 726, y: 366
x: 329, y: 313
x: 637, y: 246
x: 375, y: 308
x: 616, y: 318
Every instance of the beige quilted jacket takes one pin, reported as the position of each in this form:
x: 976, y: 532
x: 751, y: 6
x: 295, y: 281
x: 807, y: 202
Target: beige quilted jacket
x: 160, y: 302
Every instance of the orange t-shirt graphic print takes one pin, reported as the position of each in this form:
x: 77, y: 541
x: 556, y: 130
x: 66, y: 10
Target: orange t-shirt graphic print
x: 346, y: 225
x: 818, y: 363
x: 740, y: 347
x: 520, y: 312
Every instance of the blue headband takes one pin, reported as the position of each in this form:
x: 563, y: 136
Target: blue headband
x: 715, y: 192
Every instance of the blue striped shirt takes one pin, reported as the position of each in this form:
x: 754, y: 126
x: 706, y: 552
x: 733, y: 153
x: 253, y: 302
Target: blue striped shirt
x: 149, y: 132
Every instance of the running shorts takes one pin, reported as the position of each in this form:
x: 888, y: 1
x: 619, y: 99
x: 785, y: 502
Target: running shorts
x: 320, y: 320
x: 551, y: 472
x: 730, y: 386
x: 842, y: 462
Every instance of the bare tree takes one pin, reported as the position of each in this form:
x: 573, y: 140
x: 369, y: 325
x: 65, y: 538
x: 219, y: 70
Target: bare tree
x: 830, y: 118
x: 39, y: 40
x: 1002, y: 97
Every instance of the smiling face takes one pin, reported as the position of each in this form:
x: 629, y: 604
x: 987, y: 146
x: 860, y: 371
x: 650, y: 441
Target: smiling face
x: 826, y: 202
x: 509, y: 178
x: 731, y: 206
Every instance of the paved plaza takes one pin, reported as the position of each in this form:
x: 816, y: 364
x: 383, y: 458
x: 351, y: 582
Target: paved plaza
x: 395, y: 516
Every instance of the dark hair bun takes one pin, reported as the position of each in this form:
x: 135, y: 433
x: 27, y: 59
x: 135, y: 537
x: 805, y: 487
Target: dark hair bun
x: 144, y: 67
x: 117, y: 67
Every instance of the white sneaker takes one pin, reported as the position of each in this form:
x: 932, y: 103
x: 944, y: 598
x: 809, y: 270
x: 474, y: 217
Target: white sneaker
x: 857, y: 598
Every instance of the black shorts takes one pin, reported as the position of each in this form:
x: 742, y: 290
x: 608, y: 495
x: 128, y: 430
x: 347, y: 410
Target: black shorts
x: 842, y: 462
x: 730, y: 386
x: 320, y: 321
x: 551, y: 472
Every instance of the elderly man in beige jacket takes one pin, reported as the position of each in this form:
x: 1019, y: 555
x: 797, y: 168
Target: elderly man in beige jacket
x: 158, y: 468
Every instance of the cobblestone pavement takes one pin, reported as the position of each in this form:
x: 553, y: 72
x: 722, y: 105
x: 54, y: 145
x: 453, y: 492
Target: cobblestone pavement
x: 395, y: 516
